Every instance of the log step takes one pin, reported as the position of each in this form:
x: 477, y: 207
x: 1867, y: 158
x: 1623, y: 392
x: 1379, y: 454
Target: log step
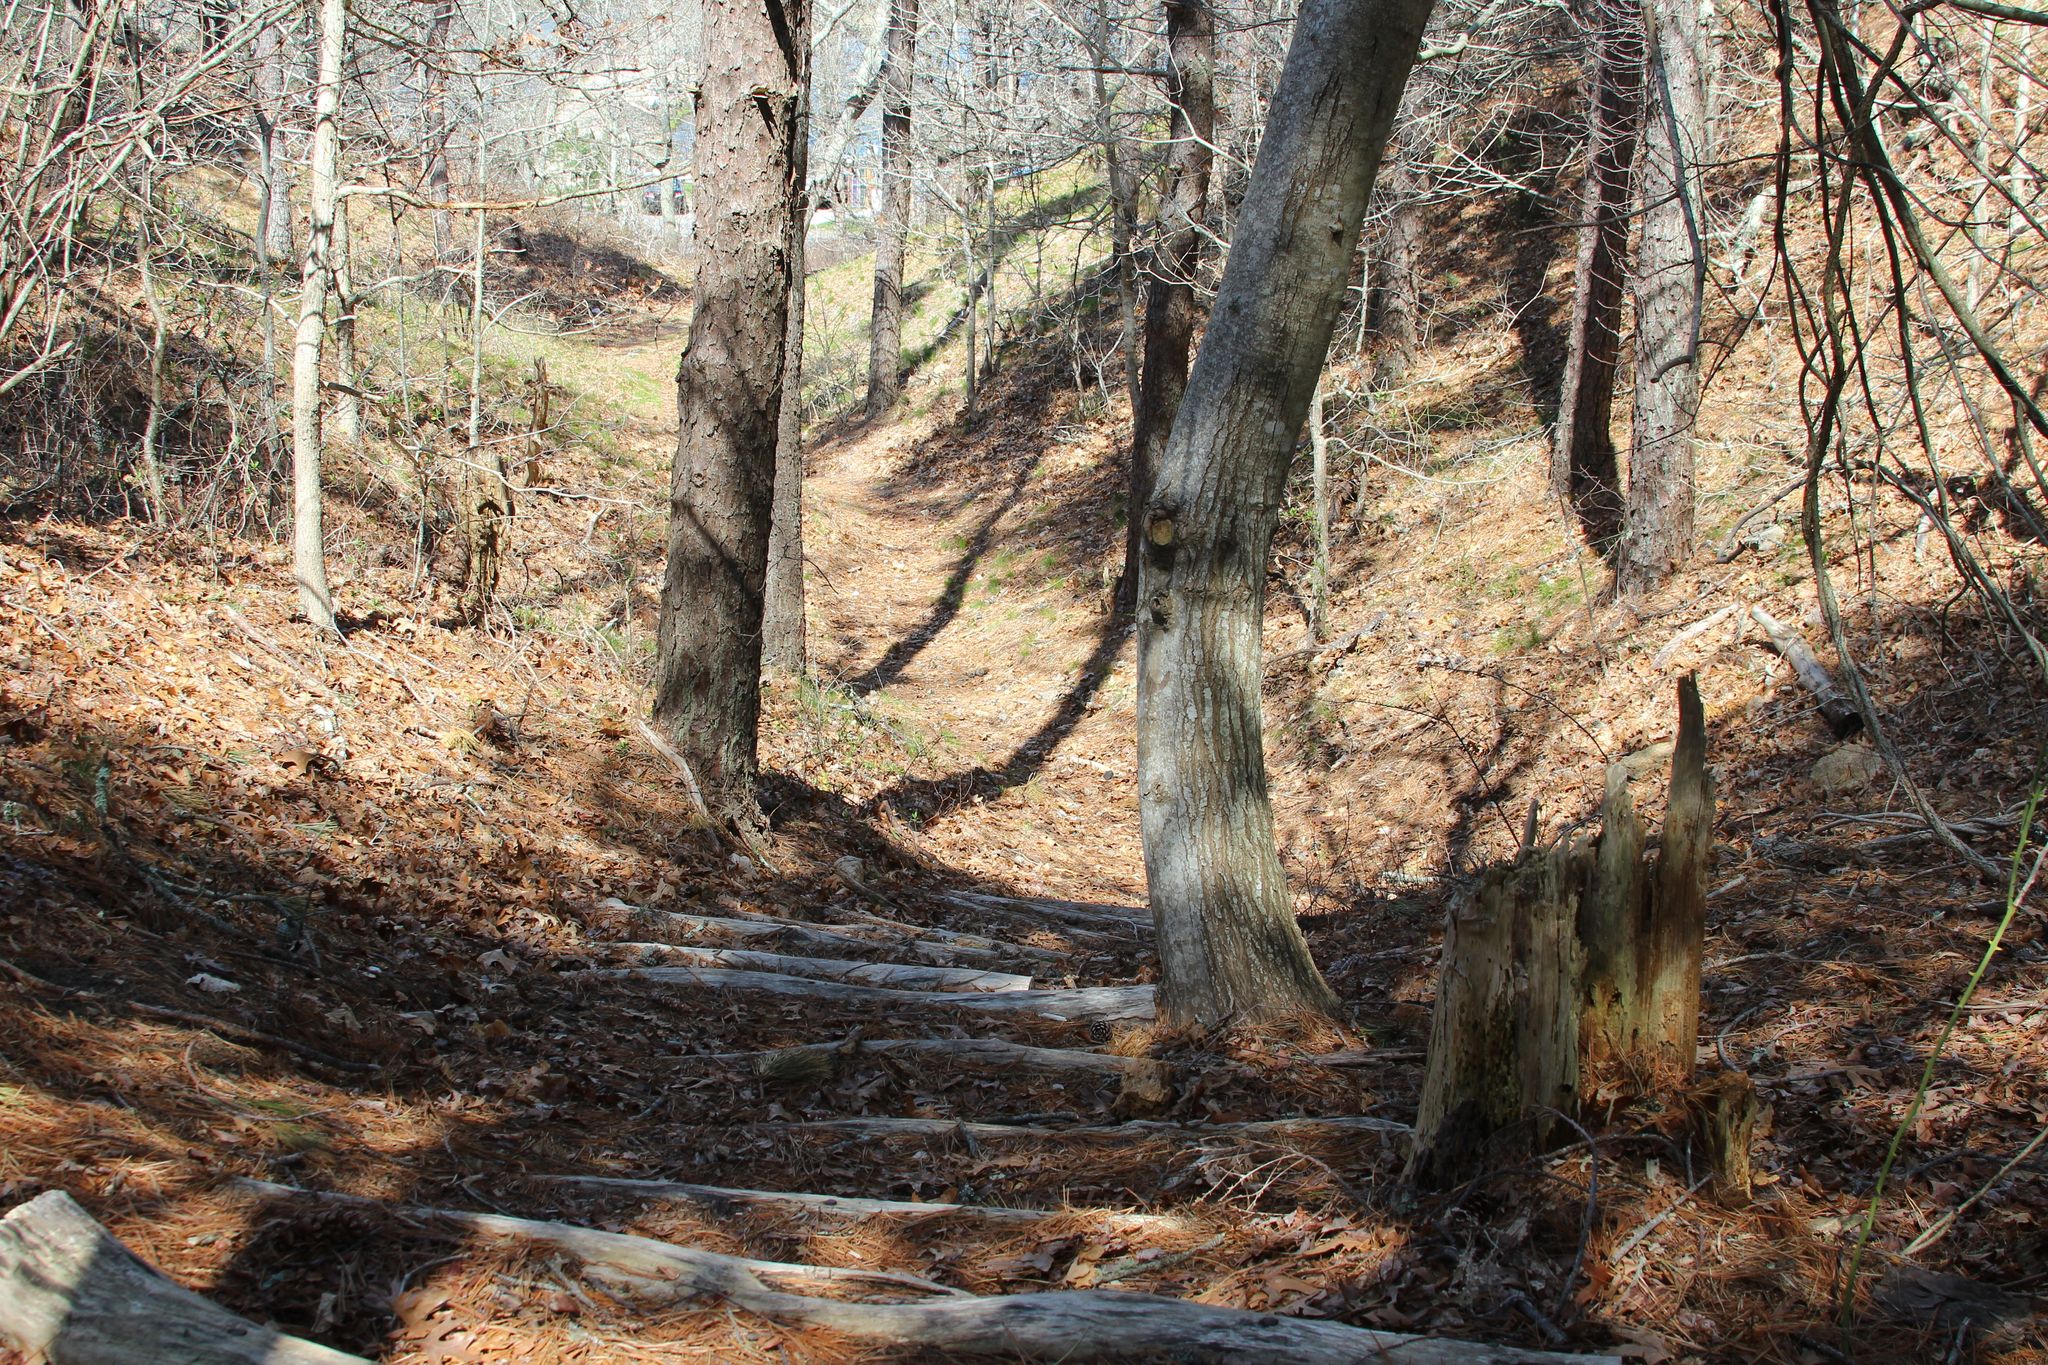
x: 1070, y: 1325
x: 1341, y: 1126
x: 1088, y: 1002
x: 723, y: 1199
x: 71, y: 1291
x: 998, y: 1053
x: 908, y: 976
x: 871, y: 930
x: 1129, y: 920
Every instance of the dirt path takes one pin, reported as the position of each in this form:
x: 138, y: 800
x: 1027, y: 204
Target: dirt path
x: 939, y: 609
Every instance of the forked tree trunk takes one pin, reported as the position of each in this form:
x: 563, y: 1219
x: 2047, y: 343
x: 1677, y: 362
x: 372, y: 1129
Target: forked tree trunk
x: 729, y: 389
x: 1228, y: 943
x: 782, y: 614
x: 892, y: 223
x: 1584, y: 469
x: 1170, y: 293
x: 309, y: 550
x: 1671, y: 268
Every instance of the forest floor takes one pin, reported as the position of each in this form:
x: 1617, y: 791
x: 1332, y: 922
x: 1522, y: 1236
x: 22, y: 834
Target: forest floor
x: 421, y: 918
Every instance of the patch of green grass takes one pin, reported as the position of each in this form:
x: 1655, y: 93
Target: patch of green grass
x: 1518, y: 639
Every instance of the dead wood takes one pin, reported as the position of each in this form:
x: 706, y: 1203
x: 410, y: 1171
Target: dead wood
x: 1088, y: 1002
x: 871, y: 929
x: 617, y: 1250
x: 1725, y: 1114
x: 997, y: 1053
x: 1835, y: 707
x: 1340, y: 1126
x: 1504, y: 1037
x: 71, y: 1293
x: 1125, y: 920
x: 1076, y: 1325
x: 724, y: 1200
x: 906, y: 975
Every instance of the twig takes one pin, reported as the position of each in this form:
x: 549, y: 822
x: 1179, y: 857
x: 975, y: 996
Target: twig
x: 682, y: 766
x: 1941, y: 1225
x: 1634, y: 1239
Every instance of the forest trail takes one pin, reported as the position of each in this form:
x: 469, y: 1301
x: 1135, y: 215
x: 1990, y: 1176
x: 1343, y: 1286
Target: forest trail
x: 934, y: 605
x: 885, y: 1087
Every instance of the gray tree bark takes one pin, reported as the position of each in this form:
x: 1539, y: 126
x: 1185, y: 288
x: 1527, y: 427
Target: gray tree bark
x: 309, y: 550
x: 892, y: 223
x: 1228, y: 943
x: 1584, y: 470
x: 782, y: 613
x: 267, y: 79
x: 729, y: 388
x: 1670, y: 284
x: 1170, y: 293
x: 434, y: 110
x: 1400, y: 314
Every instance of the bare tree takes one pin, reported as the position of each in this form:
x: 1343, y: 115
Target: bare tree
x: 729, y: 388
x: 782, y: 611
x: 1228, y: 943
x: 1584, y: 469
x: 1170, y: 292
x: 309, y: 549
x: 1670, y: 285
x: 892, y: 223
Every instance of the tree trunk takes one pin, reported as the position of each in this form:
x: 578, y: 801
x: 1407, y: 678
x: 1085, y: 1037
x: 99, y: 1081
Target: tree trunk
x: 729, y: 389
x: 274, y: 227
x: 1123, y: 204
x: 348, y: 401
x: 434, y: 111
x: 1671, y: 267
x: 1229, y: 946
x: 1584, y: 471
x: 892, y: 223
x: 1170, y: 293
x: 309, y: 551
x: 1400, y: 319
x: 782, y: 614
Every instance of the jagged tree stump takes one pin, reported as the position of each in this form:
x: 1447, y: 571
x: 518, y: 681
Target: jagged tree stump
x: 1504, y: 1040
x: 1566, y: 970
x: 1643, y: 926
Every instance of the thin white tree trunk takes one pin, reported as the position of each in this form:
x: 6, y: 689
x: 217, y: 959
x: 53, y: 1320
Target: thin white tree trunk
x: 309, y: 550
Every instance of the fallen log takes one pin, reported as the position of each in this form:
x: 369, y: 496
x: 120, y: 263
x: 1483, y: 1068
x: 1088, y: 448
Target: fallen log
x: 619, y: 1250
x: 724, y: 1199
x: 871, y: 930
x: 1071, y: 1326
x: 1835, y: 707
x: 823, y: 1059
x: 906, y: 975
x: 71, y: 1293
x: 1085, y: 1002
x: 1127, y: 919
x: 1255, y: 1129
